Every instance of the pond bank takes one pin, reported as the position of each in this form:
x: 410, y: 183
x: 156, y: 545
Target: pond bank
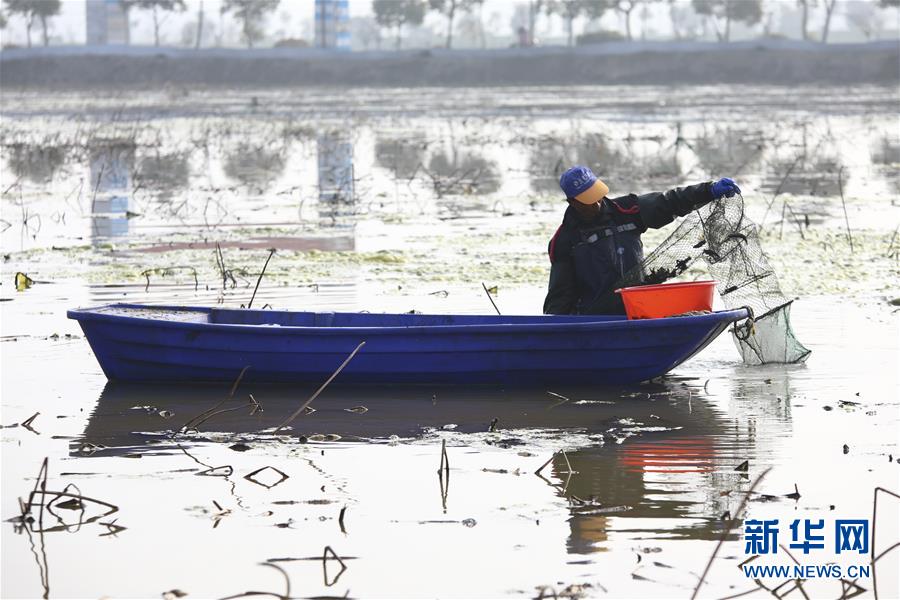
x: 772, y: 62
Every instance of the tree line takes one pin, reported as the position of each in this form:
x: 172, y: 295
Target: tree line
x: 250, y: 15
x: 394, y: 15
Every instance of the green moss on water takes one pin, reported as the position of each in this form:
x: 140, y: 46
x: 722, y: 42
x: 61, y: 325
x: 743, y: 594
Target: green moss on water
x: 821, y: 263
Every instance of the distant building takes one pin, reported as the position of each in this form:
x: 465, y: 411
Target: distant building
x: 106, y: 22
x: 333, y: 24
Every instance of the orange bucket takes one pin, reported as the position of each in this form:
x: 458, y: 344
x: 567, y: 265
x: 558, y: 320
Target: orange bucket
x: 667, y: 299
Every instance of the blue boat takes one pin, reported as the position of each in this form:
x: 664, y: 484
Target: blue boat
x: 192, y: 344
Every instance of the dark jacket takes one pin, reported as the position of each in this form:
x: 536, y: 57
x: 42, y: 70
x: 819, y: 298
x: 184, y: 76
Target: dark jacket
x: 588, y: 258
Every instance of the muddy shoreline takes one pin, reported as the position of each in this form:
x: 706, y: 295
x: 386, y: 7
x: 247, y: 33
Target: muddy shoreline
x: 772, y: 62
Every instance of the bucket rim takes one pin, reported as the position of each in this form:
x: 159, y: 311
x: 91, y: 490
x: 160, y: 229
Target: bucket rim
x: 667, y: 286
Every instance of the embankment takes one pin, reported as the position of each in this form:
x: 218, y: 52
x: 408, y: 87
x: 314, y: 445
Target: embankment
x: 661, y: 63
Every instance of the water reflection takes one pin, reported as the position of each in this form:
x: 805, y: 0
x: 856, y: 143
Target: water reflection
x: 255, y: 167
x: 886, y: 158
x: 668, y: 467
x: 216, y: 168
x: 462, y: 172
x: 163, y: 172
x: 403, y: 157
x: 37, y: 163
x: 886, y: 151
x: 659, y: 170
x: 111, y: 169
x: 804, y: 175
x: 655, y: 465
x: 337, y: 194
x: 402, y: 411
x: 725, y: 150
x: 654, y: 461
x: 551, y: 156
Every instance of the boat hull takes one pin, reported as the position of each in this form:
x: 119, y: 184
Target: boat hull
x: 132, y: 343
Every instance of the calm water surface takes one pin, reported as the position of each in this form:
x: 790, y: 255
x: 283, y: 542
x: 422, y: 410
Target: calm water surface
x: 395, y: 209
x: 635, y: 511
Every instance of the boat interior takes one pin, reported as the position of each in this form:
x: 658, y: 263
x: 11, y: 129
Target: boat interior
x: 241, y: 316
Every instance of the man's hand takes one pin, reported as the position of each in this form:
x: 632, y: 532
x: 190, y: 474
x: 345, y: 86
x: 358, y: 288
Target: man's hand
x: 724, y: 187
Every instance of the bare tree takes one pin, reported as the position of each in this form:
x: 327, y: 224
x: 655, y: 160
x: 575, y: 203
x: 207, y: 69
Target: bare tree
x: 155, y: 6
x: 252, y: 15
x: 42, y: 10
x: 570, y: 10
x: 829, y: 10
x: 864, y: 16
x: 450, y: 8
x: 645, y: 14
x: 534, y: 9
x: 624, y: 8
x: 471, y: 28
x: 476, y: 8
x: 746, y: 11
x: 804, y: 6
x: 679, y: 16
x: 397, y: 13
x: 199, y: 38
x: 366, y: 31
x: 597, y: 8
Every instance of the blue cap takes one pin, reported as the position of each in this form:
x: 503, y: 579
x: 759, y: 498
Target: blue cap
x: 580, y: 183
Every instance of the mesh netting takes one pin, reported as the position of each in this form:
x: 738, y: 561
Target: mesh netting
x: 728, y: 242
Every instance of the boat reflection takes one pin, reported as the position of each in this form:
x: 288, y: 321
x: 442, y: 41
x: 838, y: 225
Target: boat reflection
x: 681, y: 480
x: 648, y: 462
x: 124, y: 409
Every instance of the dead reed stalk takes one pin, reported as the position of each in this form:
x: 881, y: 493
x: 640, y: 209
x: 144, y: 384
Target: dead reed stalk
x: 259, y: 279
x: 844, y: 205
x: 494, y: 304
x: 729, y: 525
x: 192, y: 423
x: 300, y: 410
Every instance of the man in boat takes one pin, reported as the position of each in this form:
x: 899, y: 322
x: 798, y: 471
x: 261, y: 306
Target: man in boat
x: 600, y: 238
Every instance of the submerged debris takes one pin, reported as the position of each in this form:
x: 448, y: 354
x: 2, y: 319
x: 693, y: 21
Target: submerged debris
x: 795, y: 495
x: 252, y: 476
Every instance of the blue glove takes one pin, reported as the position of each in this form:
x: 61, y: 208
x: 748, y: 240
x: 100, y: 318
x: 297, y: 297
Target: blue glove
x: 724, y: 187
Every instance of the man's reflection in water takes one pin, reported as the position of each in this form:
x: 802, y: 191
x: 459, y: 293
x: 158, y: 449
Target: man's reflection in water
x: 669, y: 468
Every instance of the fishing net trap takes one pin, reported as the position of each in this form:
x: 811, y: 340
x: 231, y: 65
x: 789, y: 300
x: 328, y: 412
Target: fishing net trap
x: 728, y: 242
